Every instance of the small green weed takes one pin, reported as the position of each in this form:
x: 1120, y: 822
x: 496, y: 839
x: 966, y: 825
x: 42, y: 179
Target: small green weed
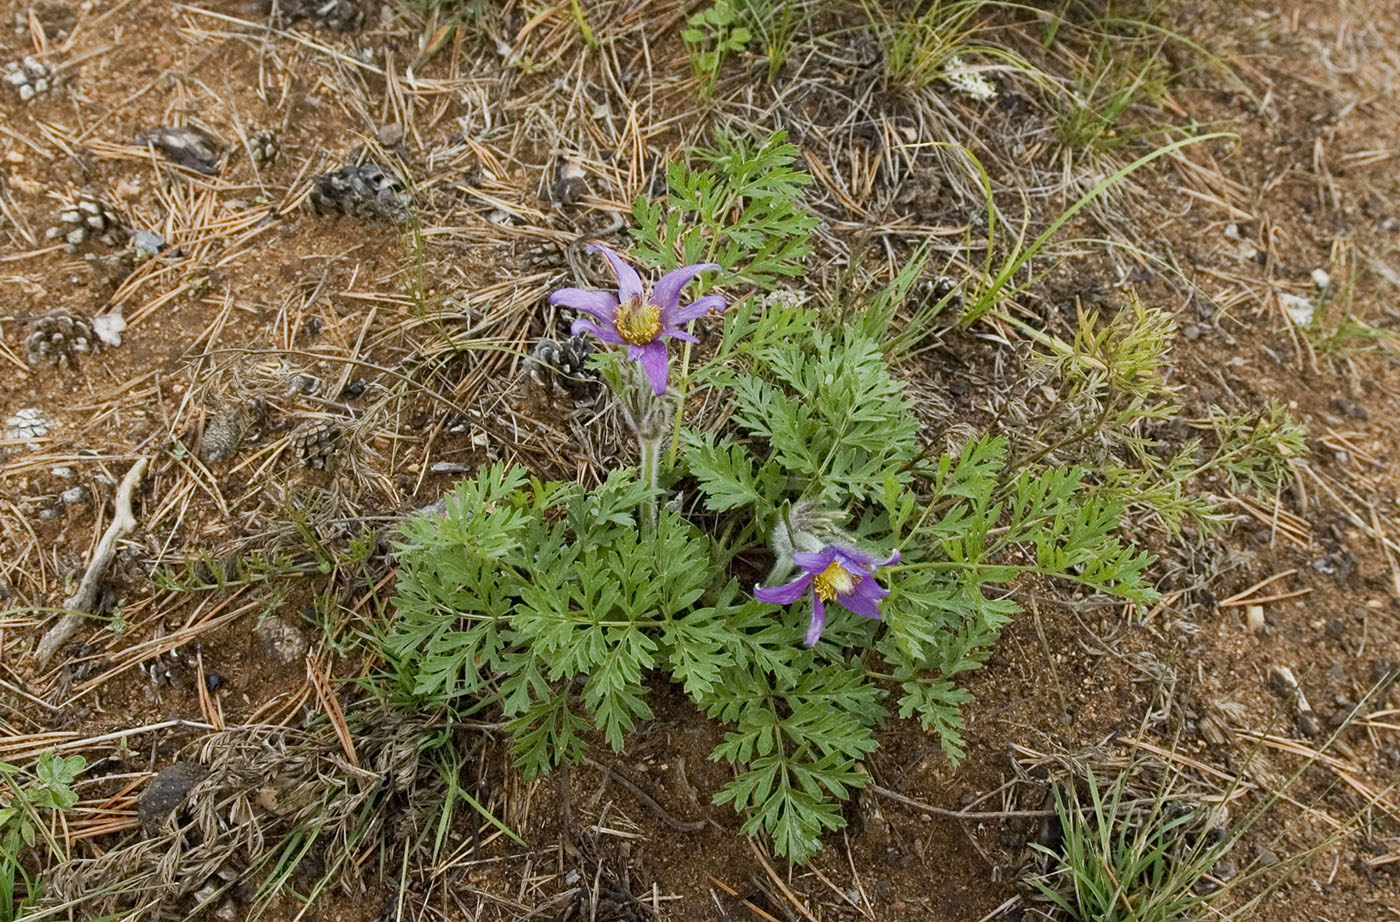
x: 1117, y: 77
x: 710, y: 36
x: 775, y: 24
x: 25, y: 800
x: 932, y: 46
x: 1336, y: 331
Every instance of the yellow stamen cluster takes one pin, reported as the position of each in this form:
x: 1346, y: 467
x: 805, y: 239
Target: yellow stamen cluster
x: 834, y: 581
x: 638, y: 322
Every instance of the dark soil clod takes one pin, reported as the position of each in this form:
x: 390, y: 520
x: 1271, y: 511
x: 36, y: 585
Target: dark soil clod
x: 166, y: 791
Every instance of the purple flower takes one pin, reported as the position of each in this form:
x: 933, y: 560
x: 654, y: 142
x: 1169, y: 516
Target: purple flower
x: 633, y: 319
x: 841, y: 574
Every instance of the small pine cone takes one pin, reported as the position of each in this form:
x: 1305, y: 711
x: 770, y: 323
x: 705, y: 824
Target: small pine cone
x: 340, y: 15
x: 59, y: 337
x: 229, y: 423
x: 265, y: 148
x: 30, y: 77
x: 316, y: 441
x: 565, y: 364
x: 367, y: 190
x: 86, y: 219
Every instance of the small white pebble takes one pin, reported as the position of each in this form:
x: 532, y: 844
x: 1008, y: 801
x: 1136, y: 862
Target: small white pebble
x: 1321, y: 279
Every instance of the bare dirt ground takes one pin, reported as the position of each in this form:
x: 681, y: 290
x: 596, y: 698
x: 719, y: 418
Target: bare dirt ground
x: 403, y: 352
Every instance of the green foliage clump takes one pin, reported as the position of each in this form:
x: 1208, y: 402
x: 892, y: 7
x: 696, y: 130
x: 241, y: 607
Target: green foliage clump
x: 1124, y: 858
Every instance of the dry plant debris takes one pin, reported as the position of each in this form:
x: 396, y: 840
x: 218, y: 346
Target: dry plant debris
x: 364, y: 190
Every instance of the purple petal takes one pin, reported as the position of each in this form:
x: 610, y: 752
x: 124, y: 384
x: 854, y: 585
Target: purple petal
x: 606, y: 334
x: 864, y: 600
x: 893, y: 559
x: 667, y: 291
x: 815, y: 562
x: 785, y: 594
x: 697, y: 308
x: 656, y: 365
x: 629, y: 284
x: 857, y: 561
x: 600, y: 304
x: 678, y: 334
x: 818, y: 623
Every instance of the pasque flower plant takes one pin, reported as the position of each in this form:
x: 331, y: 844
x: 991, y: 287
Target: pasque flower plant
x: 639, y: 320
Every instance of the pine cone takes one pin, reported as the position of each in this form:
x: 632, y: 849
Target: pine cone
x: 30, y: 77
x: 565, y: 365
x: 265, y: 148
x: 86, y: 218
x: 366, y: 190
x: 59, y: 337
x: 340, y: 15
x: 316, y: 441
x: 227, y: 426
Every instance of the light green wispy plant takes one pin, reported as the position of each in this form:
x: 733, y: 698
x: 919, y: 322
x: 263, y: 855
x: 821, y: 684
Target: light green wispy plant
x: 1257, y: 449
x: 1112, y: 386
x: 1125, y: 858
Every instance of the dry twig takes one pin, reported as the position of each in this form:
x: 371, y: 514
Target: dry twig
x: 80, y: 603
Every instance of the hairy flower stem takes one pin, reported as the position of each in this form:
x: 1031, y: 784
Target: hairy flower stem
x: 649, y: 451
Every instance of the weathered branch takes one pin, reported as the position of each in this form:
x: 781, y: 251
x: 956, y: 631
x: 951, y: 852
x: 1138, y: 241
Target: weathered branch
x: 81, y: 602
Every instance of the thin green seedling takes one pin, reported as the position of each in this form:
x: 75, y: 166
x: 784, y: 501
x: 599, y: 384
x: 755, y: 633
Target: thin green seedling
x: 581, y: 22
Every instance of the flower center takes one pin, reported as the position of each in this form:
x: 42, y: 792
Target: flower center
x: 834, y: 581
x: 638, y: 322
